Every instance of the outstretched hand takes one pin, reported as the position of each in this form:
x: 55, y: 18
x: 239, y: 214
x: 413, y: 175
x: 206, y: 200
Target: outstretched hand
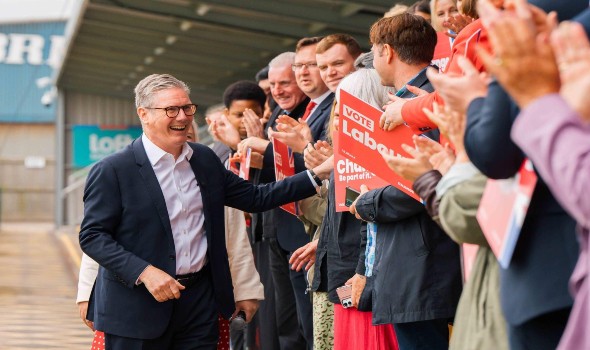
x: 450, y: 123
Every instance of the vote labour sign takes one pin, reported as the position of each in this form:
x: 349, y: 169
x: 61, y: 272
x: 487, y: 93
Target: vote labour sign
x: 503, y: 208
x: 349, y: 174
x: 361, y: 140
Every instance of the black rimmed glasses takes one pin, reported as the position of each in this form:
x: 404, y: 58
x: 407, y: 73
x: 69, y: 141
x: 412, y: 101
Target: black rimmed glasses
x: 172, y: 111
x: 298, y: 66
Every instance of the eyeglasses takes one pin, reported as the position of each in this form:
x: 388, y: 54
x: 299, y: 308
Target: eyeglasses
x: 172, y: 111
x: 299, y: 66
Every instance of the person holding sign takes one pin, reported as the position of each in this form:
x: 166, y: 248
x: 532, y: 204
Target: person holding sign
x: 417, y: 266
x: 340, y: 253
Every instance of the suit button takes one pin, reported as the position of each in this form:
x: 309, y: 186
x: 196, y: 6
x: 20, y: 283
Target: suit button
x: 172, y: 257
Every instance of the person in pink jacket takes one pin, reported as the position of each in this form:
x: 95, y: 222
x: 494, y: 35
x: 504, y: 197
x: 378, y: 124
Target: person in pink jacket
x: 553, y: 128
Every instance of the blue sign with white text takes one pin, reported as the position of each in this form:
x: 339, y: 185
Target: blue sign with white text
x: 29, y: 52
x: 94, y: 142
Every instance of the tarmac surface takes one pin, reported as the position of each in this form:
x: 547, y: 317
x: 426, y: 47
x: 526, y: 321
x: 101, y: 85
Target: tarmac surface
x: 38, y: 281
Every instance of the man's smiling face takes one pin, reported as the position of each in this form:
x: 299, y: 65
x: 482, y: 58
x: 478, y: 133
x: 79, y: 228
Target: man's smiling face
x: 167, y: 133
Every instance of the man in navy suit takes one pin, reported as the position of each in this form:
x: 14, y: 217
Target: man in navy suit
x: 153, y: 220
x: 317, y: 111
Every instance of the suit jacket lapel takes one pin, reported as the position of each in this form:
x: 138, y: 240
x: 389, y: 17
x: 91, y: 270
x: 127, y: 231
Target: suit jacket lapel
x: 326, y: 103
x: 201, y: 177
x: 153, y: 186
x: 422, y: 82
x: 296, y: 113
x: 273, y: 117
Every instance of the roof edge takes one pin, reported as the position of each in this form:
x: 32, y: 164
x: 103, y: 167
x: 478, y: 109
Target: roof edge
x: 70, y: 33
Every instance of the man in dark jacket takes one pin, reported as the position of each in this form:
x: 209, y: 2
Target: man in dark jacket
x: 417, y: 266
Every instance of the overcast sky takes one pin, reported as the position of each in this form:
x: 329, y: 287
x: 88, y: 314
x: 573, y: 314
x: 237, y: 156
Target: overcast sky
x: 35, y: 10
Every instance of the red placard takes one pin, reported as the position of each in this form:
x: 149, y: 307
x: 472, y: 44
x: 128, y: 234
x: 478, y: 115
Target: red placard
x: 349, y: 174
x: 284, y: 167
x: 361, y: 140
x: 502, y: 211
x: 239, y: 164
x: 245, y: 164
x: 442, y: 51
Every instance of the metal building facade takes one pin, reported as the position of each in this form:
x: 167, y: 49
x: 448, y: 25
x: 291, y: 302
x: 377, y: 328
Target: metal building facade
x: 29, y: 52
x: 79, y: 109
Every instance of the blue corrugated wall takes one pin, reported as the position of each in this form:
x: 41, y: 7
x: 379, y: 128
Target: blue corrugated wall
x: 25, y: 57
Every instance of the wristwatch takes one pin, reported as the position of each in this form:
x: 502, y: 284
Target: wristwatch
x: 315, y: 177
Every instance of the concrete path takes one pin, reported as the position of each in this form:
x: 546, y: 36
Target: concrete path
x: 38, y: 289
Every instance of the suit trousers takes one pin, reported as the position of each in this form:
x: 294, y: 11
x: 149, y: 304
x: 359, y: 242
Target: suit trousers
x: 262, y: 332
x: 293, y: 305
x: 193, y: 324
x: 423, y: 335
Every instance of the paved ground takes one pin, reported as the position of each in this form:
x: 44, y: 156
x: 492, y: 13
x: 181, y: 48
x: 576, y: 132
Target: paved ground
x: 38, y: 289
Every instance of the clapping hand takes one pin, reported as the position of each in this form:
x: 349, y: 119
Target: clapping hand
x: 253, y: 124
x: 411, y: 168
x: 316, y: 154
x: 572, y: 51
x: 456, y: 23
x: 459, y: 90
x: 518, y: 45
x: 293, y: 133
x: 222, y: 130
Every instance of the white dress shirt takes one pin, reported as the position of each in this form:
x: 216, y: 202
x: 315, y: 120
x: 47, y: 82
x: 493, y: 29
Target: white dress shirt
x: 184, y: 203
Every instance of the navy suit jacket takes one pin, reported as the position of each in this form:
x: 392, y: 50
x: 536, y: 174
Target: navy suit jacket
x: 288, y: 230
x: 536, y: 282
x: 318, y: 120
x: 126, y: 228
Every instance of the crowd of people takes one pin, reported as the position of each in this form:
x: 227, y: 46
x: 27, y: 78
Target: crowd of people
x: 184, y: 241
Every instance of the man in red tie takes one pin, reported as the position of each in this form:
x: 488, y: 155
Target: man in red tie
x: 310, y: 82
x: 320, y: 64
x: 282, y: 231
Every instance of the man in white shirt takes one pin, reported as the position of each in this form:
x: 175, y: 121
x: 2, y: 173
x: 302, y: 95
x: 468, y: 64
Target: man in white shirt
x: 154, y: 222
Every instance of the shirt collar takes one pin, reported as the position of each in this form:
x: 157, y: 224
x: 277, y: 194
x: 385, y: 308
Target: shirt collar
x: 404, y: 89
x: 321, y: 99
x: 155, y: 153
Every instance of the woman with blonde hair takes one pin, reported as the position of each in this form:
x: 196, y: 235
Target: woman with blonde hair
x: 441, y: 11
